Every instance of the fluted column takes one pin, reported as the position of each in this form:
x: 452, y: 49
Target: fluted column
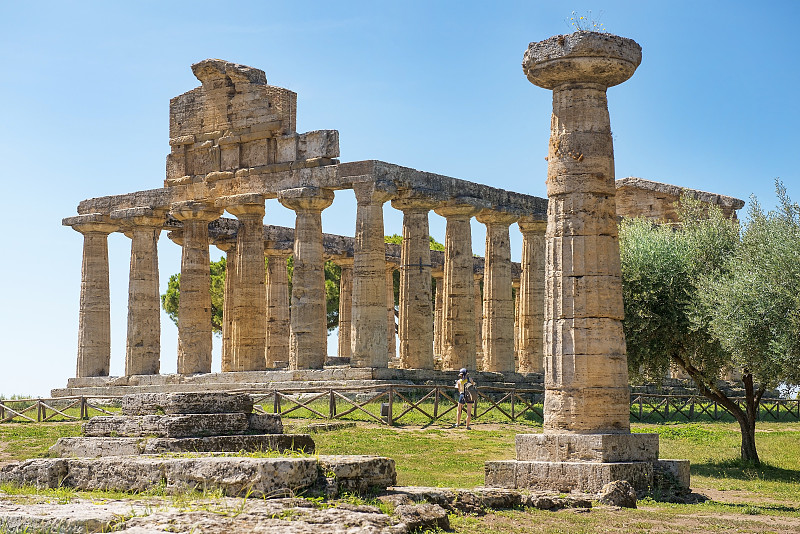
x: 227, y: 246
x: 498, y: 303
x: 345, y: 306
x: 308, y: 328
x: 586, y: 372
x: 416, y: 313
x: 515, y: 292
x: 391, y: 327
x: 437, y: 312
x: 277, y: 333
x: 369, y: 331
x: 143, y: 344
x: 194, y: 307
x: 249, y: 306
x: 478, y: 302
x: 458, y: 320
x: 531, y: 297
x: 94, y: 315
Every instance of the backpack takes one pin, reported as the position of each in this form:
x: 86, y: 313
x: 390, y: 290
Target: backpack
x: 470, y: 392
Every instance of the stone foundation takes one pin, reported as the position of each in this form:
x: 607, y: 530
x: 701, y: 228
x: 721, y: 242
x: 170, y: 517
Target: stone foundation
x: 587, y: 447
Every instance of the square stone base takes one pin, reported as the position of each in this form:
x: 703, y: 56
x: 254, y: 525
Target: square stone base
x: 586, y: 477
x: 587, y: 447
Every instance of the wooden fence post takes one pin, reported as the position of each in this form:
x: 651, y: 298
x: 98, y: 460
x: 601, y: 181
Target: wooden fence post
x: 436, y: 403
x: 389, y: 414
x: 513, y: 398
x: 332, y: 405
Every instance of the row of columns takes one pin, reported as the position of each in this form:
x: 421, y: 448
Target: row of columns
x: 257, y: 328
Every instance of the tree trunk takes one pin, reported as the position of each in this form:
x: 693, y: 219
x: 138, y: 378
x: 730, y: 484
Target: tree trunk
x: 746, y: 418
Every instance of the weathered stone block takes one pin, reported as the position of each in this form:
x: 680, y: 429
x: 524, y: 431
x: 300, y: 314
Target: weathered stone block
x: 266, y: 423
x: 93, y: 447
x: 679, y: 469
x: 359, y: 474
x: 587, y: 447
x: 186, y: 403
x: 167, y: 426
x: 588, y: 477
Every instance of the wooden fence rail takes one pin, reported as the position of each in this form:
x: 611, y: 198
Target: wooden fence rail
x: 390, y: 404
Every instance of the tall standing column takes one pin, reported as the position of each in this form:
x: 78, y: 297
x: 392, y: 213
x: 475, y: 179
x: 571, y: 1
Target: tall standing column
x: 391, y: 326
x: 227, y: 246
x: 249, y: 306
x: 308, y: 328
x: 369, y: 332
x: 94, y: 315
x: 194, y: 307
x: 277, y: 334
x: 416, y: 313
x: 531, y: 297
x: 458, y: 320
x: 586, y: 374
x: 437, y: 312
x: 143, y: 344
x: 498, y: 304
x: 345, y: 306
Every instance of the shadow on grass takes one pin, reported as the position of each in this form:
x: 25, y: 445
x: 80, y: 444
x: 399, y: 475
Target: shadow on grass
x: 750, y: 509
x: 742, y: 470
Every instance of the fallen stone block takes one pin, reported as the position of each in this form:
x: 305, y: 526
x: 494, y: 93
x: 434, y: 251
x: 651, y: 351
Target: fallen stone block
x: 423, y: 516
x: 93, y: 447
x: 186, y: 403
x: 358, y: 474
x: 167, y: 426
x: 618, y: 493
x: 265, y: 423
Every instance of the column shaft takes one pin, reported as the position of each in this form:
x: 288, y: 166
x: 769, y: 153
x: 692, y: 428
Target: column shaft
x: 249, y: 306
x: 369, y: 331
x: 498, y: 303
x: 143, y: 345
x: 437, y: 314
x: 277, y: 333
x: 345, y: 307
x: 229, y: 247
x: 416, y: 310
x: 478, y: 302
x: 391, y: 327
x: 94, y: 316
x: 531, y: 298
x: 194, y: 307
x: 308, y: 327
x: 458, y: 320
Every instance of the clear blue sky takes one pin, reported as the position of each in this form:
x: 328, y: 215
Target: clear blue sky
x: 437, y: 86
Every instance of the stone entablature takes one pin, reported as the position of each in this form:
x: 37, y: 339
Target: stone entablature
x: 637, y: 197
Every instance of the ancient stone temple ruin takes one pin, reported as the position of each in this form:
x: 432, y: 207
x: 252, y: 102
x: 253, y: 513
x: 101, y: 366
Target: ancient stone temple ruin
x: 234, y: 145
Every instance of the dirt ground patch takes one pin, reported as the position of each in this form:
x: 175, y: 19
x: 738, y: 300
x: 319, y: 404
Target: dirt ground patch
x: 4, y: 456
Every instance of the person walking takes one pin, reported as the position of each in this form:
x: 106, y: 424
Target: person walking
x: 466, y: 395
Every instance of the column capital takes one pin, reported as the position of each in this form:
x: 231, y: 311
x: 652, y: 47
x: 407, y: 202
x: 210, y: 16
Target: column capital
x: 142, y: 216
x: 271, y: 250
x: 496, y: 217
x: 374, y: 192
x: 91, y: 223
x: 414, y: 203
x: 344, y: 261
x: 457, y: 210
x: 528, y: 225
x: 244, y: 205
x: 176, y: 236
x: 195, y: 210
x: 225, y: 245
x: 306, y: 198
x: 477, y: 276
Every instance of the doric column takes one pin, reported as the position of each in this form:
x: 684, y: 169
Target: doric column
x: 531, y: 297
x: 249, y: 306
x: 498, y: 303
x: 458, y: 320
x: 345, y: 306
x: 477, y: 277
x: 228, y: 246
x: 391, y: 327
x: 586, y: 374
x: 369, y: 332
x: 277, y: 334
x: 194, y: 307
x: 515, y: 291
x: 437, y: 312
x: 416, y: 313
x: 94, y: 315
x: 143, y: 345
x: 308, y: 328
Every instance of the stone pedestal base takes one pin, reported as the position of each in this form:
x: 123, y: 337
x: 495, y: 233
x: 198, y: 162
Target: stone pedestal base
x: 586, y: 462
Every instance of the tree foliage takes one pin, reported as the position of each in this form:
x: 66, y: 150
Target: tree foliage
x: 709, y: 298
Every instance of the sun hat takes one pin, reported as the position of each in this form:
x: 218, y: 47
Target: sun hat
x: 463, y: 371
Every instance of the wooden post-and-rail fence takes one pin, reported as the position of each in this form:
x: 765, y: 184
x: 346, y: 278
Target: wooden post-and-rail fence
x: 390, y: 404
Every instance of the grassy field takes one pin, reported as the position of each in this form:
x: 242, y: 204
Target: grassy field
x: 742, y: 498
